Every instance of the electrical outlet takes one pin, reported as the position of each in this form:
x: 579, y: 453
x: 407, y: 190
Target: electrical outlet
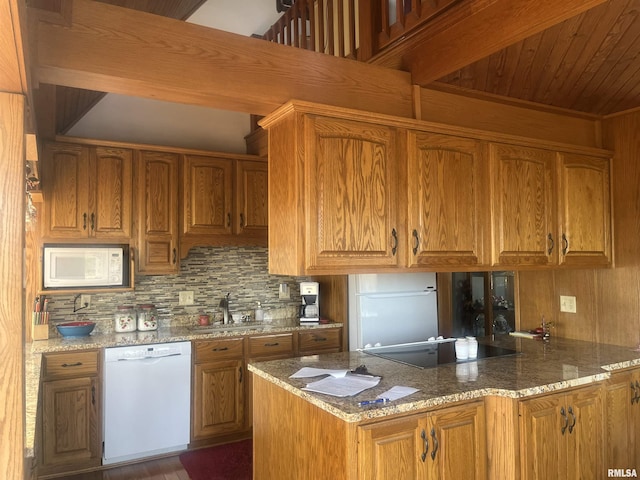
x: 185, y: 298
x: 85, y: 301
x: 567, y: 304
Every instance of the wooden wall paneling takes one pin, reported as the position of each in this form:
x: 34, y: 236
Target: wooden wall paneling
x: 334, y: 302
x: 458, y: 107
x: 581, y: 284
x: 536, y: 298
x: 12, y: 199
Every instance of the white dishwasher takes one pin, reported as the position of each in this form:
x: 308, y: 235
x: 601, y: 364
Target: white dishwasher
x: 147, y: 391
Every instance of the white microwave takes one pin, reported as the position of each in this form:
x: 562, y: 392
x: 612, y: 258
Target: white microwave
x: 85, y: 266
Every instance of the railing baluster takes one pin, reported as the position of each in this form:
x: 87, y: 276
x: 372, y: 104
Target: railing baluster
x: 331, y: 39
x: 341, y: 31
x: 320, y: 27
x: 352, y: 29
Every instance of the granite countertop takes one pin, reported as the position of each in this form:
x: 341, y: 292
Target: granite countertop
x: 538, y: 368
x: 34, y: 351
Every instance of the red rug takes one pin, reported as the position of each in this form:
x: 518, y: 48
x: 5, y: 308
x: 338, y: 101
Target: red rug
x: 223, y: 462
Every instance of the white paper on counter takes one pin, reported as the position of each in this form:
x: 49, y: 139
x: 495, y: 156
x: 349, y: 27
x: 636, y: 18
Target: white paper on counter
x: 305, y: 372
x: 343, y: 387
x: 394, y: 393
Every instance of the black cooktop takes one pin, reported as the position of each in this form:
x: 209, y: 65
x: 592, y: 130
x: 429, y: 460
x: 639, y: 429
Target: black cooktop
x: 429, y: 354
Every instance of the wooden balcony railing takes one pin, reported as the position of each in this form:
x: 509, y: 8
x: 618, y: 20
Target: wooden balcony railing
x: 357, y: 29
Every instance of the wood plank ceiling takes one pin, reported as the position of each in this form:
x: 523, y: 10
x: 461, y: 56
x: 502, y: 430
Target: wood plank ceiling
x: 589, y: 63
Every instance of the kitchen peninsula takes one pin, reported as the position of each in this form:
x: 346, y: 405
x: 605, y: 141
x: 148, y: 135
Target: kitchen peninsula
x: 457, y: 425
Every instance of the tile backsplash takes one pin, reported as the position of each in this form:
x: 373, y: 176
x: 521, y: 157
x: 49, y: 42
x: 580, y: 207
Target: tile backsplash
x: 209, y: 272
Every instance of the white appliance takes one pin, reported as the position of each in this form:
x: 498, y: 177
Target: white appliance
x: 392, y: 308
x: 82, y: 266
x: 147, y: 391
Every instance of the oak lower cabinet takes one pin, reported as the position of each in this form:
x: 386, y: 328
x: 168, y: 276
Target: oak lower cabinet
x: 322, y: 340
x: 560, y: 435
x: 156, y: 206
x: 218, y: 388
x: 622, y: 420
x: 88, y: 192
x: 445, y: 444
x: 71, y: 421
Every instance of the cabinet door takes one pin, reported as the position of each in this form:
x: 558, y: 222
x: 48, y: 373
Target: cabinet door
x: 110, y: 181
x: 622, y: 420
x: 447, y: 201
x: 71, y: 434
x: 584, y: 409
x: 458, y: 443
x: 524, y: 212
x: 207, y: 199
x: 351, y: 203
x: 585, y: 213
x: 393, y: 449
x: 157, y: 212
x: 252, y: 217
x: 543, y: 449
x: 218, y: 392
x: 66, y: 191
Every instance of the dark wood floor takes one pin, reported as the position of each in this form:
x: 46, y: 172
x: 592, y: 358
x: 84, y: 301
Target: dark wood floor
x: 168, y: 468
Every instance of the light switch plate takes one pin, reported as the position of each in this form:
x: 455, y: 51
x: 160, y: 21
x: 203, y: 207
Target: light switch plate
x: 567, y: 304
x: 283, y: 291
x: 185, y: 298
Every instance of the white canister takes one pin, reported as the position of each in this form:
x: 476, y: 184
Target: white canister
x: 473, y: 347
x: 462, y: 349
x: 147, y: 318
x: 125, y: 319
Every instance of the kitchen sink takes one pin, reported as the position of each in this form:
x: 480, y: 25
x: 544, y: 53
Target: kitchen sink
x: 249, y: 326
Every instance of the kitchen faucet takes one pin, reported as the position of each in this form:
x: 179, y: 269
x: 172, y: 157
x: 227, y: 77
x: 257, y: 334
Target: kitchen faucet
x: 224, y: 304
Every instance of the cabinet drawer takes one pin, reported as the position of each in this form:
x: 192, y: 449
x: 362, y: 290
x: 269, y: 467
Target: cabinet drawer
x: 323, y: 340
x: 271, y: 345
x: 222, y: 349
x: 70, y: 364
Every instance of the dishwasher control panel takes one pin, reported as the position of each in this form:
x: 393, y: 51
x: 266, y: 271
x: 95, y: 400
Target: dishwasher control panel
x: 139, y: 352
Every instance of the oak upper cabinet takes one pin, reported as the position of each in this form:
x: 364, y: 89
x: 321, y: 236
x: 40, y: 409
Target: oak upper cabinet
x: 71, y: 422
x: 332, y: 194
x: 446, y: 444
x: 351, y: 180
x: 157, y: 212
x: 207, y: 200
x: 561, y: 435
x: 585, y: 210
x: 622, y: 420
x: 251, y: 198
x: 218, y: 390
x: 447, y: 199
x: 524, y: 206
x: 88, y: 192
x: 224, y: 201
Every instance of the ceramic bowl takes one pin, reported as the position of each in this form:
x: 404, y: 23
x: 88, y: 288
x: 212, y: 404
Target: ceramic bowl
x: 75, y: 329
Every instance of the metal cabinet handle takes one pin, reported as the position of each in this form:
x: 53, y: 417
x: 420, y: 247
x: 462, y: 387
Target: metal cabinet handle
x: 565, y: 244
x: 320, y: 339
x: 634, y: 394
x: 566, y: 420
x: 423, y: 435
x: 573, y: 415
x: 221, y: 349
x: 551, y: 244
x: 93, y: 395
x: 241, y: 372
x: 242, y: 220
x: 394, y: 235
x: 84, y: 221
x: 175, y: 256
x: 435, y: 444
x: 637, y: 392
x: 93, y: 221
x: 275, y: 344
x: 77, y: 364
x: 417, y: 239
x: 228, y: 219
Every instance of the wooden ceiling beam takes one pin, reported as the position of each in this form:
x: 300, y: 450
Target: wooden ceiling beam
x: 475, y: 29
x: 116, y: 50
